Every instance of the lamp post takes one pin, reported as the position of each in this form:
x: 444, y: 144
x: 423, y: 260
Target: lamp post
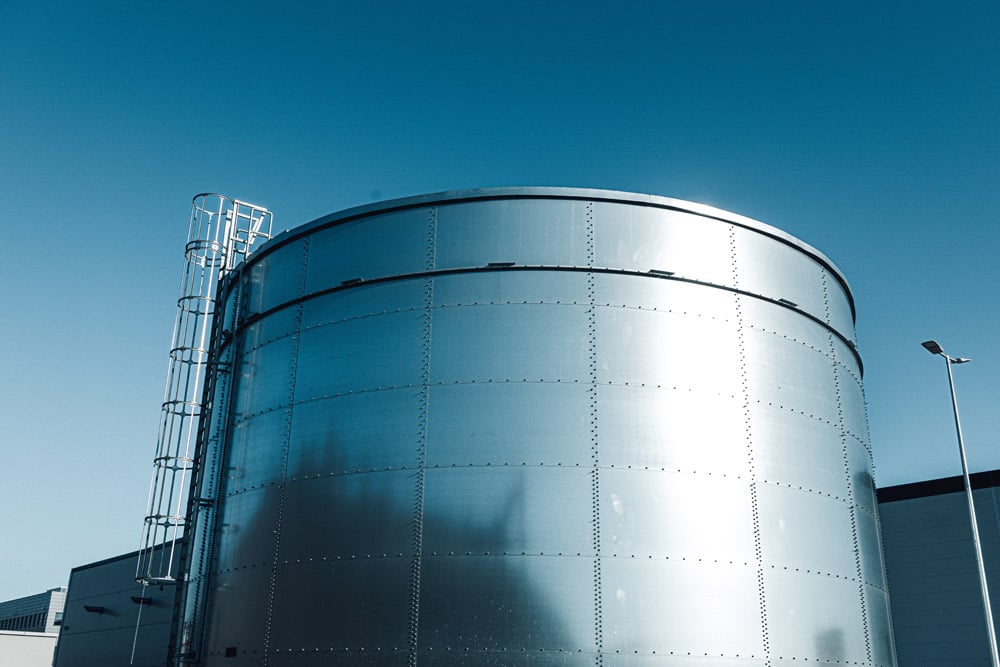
x: 934, y: 348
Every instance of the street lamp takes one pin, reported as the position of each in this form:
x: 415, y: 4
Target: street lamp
x: 934, y: 348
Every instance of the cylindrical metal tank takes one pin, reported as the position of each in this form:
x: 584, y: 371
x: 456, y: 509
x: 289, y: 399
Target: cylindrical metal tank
x: 538, y: 426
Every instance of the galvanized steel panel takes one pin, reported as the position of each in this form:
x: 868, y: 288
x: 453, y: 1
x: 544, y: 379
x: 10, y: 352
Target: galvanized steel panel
x: 643, y: 239
x: 672, y: 429
x: 660, y: 293
x: 393, y: 245
x: 505, y: 656
x: 275, y: 279
x: 363, y: 301
x: 507, y: 510
x: 816, y: 617
x: 880, y: 630
x: 766, y: 267
x: 505, y: 604
x: 257, y: 448
x: 359, y: 354
x: 340, y: 605
x: 681, y: 606
x: 277, y: 325
x: 870, y: 549
x: 340, y: 508
x: 626, y: 658
x: 499, y: 287
x: 465, y: 430
x: 657, y: 349
x: 859, y: 466
x: 691, y: 515
x: 785, y: 322
x: 501, y: 343
x: 796, y: 450
x: 525, y: 231
x: 344, y: 656
x: 789, y: 375
x: 798, y: 529
x: 852, y: 403
x: 246, y: 530
x: 269, y: 367
x: 237, y: 600
x: 335, y: 436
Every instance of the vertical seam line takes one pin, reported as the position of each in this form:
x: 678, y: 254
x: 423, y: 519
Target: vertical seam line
x: 751, y: 467
x: 595, y: 480
x: 293, y: 372
x: 416, y: 566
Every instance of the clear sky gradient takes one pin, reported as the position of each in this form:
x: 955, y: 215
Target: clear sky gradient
x: 869, y: 130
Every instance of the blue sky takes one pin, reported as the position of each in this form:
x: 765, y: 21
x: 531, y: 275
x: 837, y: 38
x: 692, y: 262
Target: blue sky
x: 869, y: 130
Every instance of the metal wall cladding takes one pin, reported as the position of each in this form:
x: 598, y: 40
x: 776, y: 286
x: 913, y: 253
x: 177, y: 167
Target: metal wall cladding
x: 532, y: 427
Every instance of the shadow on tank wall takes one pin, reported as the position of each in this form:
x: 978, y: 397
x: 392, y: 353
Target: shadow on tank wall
x: 351, y: 579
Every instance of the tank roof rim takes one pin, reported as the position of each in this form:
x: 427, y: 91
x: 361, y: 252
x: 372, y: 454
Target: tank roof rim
x: 561, y: 192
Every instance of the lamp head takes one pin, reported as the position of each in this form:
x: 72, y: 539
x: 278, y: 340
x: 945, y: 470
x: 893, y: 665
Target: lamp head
x: 933, y: 347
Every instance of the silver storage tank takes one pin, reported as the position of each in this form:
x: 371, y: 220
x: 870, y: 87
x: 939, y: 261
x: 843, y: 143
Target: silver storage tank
x: 538, y: 426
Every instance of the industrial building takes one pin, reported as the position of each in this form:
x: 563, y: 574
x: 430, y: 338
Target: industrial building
x: 35, y: 613
x: 937, y: 609
x: 110, y: 620
x: 537, y: 426
x: 29, y: 628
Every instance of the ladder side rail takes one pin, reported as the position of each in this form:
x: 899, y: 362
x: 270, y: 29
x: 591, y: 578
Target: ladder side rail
x: 197, y: 556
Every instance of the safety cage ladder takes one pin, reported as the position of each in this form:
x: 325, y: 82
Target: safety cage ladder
x: 222, y: 233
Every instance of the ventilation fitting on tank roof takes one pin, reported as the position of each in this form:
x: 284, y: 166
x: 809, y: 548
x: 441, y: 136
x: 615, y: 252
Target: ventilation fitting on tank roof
x: 222, y: 232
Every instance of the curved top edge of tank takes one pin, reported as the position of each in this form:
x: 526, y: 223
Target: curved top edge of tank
x: 557, y: 192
